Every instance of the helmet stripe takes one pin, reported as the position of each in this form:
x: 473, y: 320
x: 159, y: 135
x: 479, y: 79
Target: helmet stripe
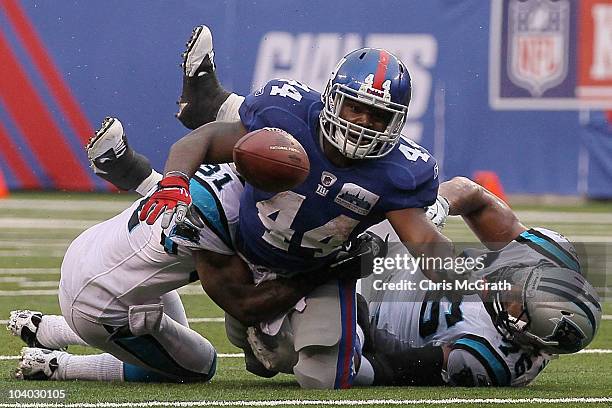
x: 579, y: 290
x: 571, y: 298
x: 549, y: 248
x: 381, y: 70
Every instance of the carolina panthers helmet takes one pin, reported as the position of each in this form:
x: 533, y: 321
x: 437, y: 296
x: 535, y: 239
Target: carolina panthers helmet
x: 560, y: 309
x: 375, y: 78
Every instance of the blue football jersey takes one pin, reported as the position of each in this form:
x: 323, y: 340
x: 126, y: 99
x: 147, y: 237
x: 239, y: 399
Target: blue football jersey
x: 302, y: 229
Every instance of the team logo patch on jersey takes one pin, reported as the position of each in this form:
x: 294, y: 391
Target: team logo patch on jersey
x: 328, y: 179
x: 356, y: 198
x: 260, y: 91
x: 538, y: 44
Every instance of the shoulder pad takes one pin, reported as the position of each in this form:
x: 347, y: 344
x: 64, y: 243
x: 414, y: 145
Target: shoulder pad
x: 413, y: 163
x: 276, y: 102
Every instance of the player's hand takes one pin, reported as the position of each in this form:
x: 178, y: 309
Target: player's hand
x: 356, y: 261
x: 171, y: 197
x: 438, y: 211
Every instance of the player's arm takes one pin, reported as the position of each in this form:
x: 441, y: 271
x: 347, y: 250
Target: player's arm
x: 227, y: 280
x: 491, y: 219
x: 211, y: 143
x: 421, y: 238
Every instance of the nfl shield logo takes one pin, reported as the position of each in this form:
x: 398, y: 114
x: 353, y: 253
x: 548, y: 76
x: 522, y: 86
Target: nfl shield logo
x: 538, y: 43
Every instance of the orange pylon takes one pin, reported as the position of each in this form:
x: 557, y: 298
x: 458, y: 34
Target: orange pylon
x: 4, y: 192
x: 490, y: 181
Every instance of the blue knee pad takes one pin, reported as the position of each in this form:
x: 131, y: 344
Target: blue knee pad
x: 134, y: 373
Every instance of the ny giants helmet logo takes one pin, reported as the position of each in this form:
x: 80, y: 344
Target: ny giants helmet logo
x: 368, y: 87
x: 538, y: 44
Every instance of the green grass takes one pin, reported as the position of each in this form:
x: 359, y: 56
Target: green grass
x: 584, y: 375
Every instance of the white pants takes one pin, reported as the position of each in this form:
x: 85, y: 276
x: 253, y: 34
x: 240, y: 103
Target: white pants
x: 157, y: 338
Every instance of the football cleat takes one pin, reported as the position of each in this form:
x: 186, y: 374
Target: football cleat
x: 111, y: 158
x: 202, y: 94
x: 37, y: 364
x: 107, y: 145
x: 24, y: 323
x: 198, y: 58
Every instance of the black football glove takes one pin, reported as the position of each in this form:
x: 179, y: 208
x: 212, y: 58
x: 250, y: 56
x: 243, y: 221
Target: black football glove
x: 356, y: 259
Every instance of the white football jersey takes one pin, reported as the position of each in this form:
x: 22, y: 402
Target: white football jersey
x: 123, y: 261
x: 403, y: 319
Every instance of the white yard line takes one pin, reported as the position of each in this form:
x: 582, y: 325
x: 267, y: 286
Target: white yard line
x: 29, y: 271
x: 206, y: 320
x: 65, y: 205
x: 339, y: 402
x: 220, y: 355
x: 222, y: 319
x: 240, y: 355
x: 26, y: 253
x: 185, y: 290
x: 40, y: 292
x: 560, y: 217
x: 192, y: 320
x: 44, y: 223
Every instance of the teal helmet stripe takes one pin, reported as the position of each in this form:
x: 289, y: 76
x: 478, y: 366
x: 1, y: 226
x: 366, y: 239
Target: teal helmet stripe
x: 579, y: 290
x: 573, y: 299
x: 549, y: 249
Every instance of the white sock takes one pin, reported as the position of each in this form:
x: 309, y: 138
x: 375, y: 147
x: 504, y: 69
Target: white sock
x: 54, y: 332
x: 228, y: 112
x: 97, y: 367
x: 148, y: 183
x: 365, y: 375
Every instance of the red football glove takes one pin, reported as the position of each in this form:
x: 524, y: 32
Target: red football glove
x: 172, y: 196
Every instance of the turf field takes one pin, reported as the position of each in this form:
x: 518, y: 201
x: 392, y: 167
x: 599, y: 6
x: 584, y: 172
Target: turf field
x: 35, y: 230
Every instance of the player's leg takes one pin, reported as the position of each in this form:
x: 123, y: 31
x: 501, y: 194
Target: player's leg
x: 325, y: 337
x: 46, y: 333
x: 149, y: 349
x: 173, y: 307
x: 111, y: 158
x: 43, y: 364
x: 203, y: 99
x: 151, y: 341
x: 43, y: 331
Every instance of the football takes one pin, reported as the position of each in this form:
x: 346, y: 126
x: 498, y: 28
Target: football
x: 271, y: 160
